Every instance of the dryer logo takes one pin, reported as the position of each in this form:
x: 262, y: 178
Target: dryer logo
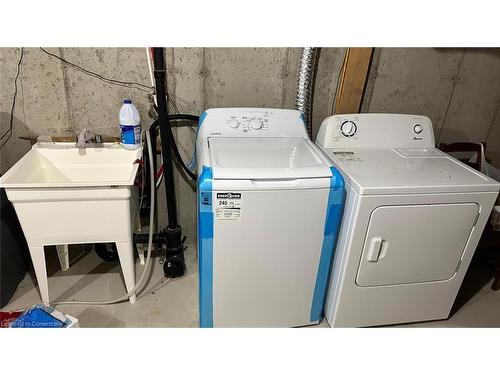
x: 228, y: 195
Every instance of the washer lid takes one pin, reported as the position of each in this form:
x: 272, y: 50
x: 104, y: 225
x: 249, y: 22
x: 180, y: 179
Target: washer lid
x: 423, y: 170
x: 266, y: 158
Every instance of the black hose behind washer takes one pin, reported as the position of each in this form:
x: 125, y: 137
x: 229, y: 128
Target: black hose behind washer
x: 179, y: 117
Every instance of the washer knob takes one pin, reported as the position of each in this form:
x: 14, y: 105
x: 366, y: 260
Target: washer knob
x: 255, y: 124
x: 233, y: 123
x: 348, y: 128
x: 418, y: 129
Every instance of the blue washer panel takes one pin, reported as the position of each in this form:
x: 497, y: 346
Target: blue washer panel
x: 334, y: 211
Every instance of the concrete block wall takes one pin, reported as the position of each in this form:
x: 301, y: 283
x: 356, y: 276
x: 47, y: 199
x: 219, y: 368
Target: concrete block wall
x: 54, y: 99
x: 458, y: 89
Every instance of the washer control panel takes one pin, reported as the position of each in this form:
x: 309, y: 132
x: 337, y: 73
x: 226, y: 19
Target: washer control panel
x: 373, y: 130
x: 251, y: 122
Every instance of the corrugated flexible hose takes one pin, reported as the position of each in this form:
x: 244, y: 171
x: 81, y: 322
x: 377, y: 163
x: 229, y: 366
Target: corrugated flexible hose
x: 305, y: 85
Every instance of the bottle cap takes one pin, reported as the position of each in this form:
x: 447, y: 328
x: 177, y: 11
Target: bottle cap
x: 127, y: 101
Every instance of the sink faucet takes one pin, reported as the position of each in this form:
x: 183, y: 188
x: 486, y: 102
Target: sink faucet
x: 85, y: 136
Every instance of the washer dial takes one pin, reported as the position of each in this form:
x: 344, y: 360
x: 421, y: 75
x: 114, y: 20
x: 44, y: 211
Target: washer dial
x: 255, y: 124
x: 348, y: 128
x: 233, y: 123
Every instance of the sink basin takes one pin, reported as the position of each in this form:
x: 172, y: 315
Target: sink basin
x: 109, y: 165
x: 65, y: 195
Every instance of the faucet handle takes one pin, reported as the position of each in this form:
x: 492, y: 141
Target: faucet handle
x: 84, y: 136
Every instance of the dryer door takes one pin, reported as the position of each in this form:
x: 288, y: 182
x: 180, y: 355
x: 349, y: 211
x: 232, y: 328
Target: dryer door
x: 413, y: 244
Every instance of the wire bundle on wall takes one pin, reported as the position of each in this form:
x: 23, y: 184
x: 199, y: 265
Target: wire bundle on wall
x: 177, y: 117
x: 8, y: 133
x: 111, y: 81
x: 131, y: 84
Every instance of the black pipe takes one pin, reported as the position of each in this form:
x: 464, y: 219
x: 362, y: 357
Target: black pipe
x: 164, y: 125
x: 174, y: 265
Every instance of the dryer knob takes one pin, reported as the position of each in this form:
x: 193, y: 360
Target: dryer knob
x: 348, y: 128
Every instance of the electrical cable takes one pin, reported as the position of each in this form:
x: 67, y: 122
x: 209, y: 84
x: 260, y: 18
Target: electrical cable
x: 158, y: 183
x: 112, y: 81
x: 175, y: 119
x: 150, y: 241
x: 153, y: 98
x: 160, y: 172
x: 11, y: 122
x: 173, y: 103
x: 150, y: 69
x: 129, y: 84
x: 159, y: 176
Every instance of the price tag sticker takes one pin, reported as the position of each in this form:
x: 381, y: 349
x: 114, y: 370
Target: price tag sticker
x: 228, y: 206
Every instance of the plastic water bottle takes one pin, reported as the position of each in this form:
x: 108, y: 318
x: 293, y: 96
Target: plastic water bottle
x: 130, y: 126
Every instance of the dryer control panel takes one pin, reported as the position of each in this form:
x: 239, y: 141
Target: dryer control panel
x: 374, y: 130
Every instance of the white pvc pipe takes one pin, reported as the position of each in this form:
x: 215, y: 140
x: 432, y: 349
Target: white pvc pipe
x: 151, y: 77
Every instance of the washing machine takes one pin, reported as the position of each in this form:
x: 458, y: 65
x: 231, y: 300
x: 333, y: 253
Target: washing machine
x: 269, y: 205
x: 413, y: 218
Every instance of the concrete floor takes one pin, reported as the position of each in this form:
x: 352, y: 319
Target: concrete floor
x: 173, y: 303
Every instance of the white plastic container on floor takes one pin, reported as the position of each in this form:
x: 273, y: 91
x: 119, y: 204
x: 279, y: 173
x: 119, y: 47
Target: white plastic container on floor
x: 130, y: 126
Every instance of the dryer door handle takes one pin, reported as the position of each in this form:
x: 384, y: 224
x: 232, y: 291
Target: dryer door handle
x: 374, y: 250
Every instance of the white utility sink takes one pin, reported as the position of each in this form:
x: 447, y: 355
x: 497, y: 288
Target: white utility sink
x: 106, y: 165
x: 64, y: 195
